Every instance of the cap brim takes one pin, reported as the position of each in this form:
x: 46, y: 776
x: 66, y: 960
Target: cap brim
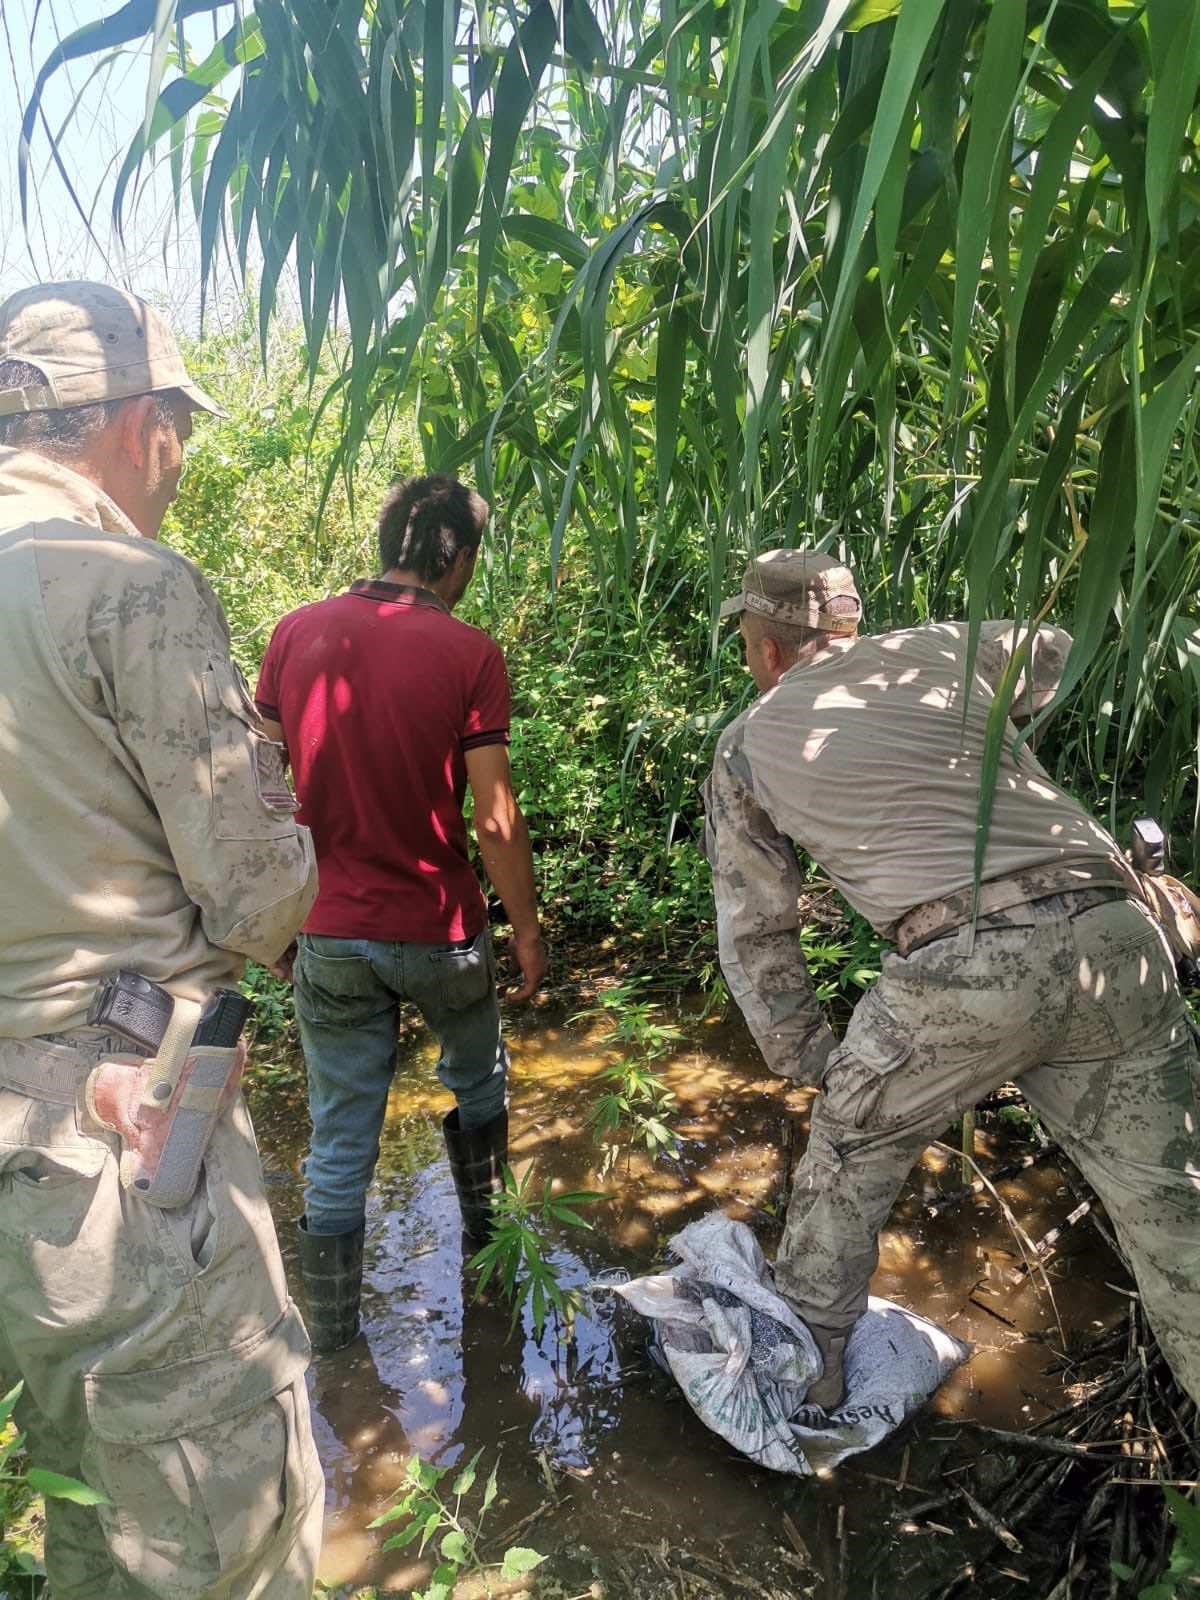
x: 202, y: 401
x: 732, y: 606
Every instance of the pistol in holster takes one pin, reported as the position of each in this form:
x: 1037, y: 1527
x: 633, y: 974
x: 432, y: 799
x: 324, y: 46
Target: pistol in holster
x: 164, y: 1107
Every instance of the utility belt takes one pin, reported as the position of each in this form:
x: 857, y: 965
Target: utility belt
x: 936, y: 918
x: 163, y: 1106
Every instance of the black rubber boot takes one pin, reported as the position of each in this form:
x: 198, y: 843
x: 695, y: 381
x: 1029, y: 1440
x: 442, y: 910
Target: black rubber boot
x: 476, y: 1157
x: 331, y: 1267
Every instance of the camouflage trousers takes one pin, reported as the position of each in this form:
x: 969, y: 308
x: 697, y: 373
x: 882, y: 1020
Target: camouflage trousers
x: 1075, y: 998
x: 162, y: 1360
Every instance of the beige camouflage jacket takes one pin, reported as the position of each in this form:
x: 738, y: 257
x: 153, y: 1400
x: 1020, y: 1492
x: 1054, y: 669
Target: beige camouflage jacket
x: 144, y: 818
x: 868, y: 760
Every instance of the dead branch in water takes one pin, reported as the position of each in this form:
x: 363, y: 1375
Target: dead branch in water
x: 1076, y: 1500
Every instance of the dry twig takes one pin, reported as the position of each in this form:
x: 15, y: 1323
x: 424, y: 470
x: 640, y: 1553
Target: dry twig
x: 992, y: 1523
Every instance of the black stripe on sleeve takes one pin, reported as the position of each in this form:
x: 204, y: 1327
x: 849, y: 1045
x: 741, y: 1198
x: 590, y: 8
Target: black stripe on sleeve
x: 473, y: 741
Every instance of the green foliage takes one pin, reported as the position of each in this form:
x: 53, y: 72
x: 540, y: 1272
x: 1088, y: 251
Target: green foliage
x: 275, y: 1064
x: 639, y: 1101
x: 1182, y: 1576
x: 517, y: 1256
x: 247, y: 509
x: 633, y: 1023
x: 913, y: 281
x: 431, y: 1518
x: 1017, y: 1119
x: 272, y: 998
x: 18, y: 1562
x: 841, y: 961
x: 609, y: 752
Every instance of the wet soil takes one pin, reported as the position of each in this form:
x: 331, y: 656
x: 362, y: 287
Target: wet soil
x: 603, y: 1465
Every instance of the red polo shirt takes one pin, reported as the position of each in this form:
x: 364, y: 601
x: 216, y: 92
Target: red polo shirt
x: 380, y: 691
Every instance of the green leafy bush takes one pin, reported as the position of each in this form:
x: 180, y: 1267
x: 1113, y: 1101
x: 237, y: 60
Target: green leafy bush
x: 636, y: 1101
x: 517, y: 1256
x: 1182, y: 1576
x: 429, y: 1515
x: 20, y: 1568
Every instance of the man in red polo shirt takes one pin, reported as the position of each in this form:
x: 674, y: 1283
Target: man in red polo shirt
x: 389, y: 708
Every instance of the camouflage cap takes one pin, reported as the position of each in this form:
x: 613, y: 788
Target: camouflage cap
x: 93, y: 343
x: 799, y: 586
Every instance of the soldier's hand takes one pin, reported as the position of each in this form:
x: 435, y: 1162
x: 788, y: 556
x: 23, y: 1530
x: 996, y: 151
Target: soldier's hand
x: 528, y: 951
x: 804, y: 1063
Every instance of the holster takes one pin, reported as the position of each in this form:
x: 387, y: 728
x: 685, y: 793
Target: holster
x: 164, y: 1109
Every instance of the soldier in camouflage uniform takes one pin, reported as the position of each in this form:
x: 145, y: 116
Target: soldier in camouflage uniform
x: 144, y: 824
x: 866, y: 753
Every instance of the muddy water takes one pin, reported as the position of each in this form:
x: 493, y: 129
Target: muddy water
x: 601, y: 1458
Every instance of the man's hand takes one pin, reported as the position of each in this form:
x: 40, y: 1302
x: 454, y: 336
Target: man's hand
x: 283, y: 967
x: 528, y: 951
x: 507, y: 859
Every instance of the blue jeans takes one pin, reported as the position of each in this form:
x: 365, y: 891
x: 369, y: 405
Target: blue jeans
x: 348, y: 996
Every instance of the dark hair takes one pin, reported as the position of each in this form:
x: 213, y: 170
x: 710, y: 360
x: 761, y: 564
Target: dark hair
x: 425, y: 522
x: 64, y: 434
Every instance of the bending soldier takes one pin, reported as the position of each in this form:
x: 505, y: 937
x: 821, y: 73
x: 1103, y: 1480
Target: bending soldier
x: 144, y: 825
x: 866, y: 754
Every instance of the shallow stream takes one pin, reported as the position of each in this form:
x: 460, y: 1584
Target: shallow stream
x: 602, y: 1460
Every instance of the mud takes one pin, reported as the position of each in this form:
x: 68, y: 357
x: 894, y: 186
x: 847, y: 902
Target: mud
x: 601, y: 1460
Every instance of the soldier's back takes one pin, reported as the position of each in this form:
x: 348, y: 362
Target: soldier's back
x: 871, y: 759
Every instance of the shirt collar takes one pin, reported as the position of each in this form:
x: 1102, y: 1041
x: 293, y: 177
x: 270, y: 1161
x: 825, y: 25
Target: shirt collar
x: 398, y: 594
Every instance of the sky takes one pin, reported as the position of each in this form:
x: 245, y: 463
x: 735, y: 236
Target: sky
x: 110, y: 109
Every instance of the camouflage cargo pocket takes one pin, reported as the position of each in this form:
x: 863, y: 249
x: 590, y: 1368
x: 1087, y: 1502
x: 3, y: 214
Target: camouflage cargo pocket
x: 207, y: 1462
x: 858, y: 1070
x: 1126, y: 973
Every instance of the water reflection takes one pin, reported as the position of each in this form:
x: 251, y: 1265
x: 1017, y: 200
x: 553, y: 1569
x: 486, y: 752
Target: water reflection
x: 590, y: 1438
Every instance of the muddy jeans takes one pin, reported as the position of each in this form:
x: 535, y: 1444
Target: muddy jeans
x: 1075, y: 998
x: 162, y: 1360
x: 348, y: 998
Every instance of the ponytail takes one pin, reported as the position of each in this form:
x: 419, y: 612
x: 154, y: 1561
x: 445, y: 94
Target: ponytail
x: 426, y: 522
